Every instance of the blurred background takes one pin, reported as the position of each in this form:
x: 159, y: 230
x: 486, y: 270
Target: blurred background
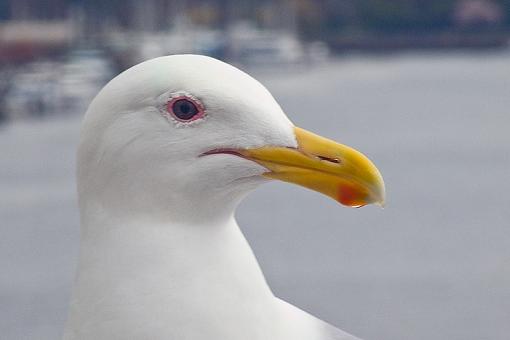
x: 421, y: 86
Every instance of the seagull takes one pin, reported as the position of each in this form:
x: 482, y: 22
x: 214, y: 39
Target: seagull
x: 167, y: 150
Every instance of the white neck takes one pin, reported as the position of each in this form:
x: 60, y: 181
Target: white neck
x: 146, y: 280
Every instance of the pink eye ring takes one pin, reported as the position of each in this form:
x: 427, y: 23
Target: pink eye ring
x: 185, y: 109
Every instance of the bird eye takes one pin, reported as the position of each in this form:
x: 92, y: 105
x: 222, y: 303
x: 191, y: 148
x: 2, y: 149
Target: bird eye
x: 185, y: 109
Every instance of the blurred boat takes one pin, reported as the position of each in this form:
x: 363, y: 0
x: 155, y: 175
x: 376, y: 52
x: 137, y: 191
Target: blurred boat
x: 39, y: 89
x: 250, y: 45
x: 241, y: 43
x: 81, y: 76
x: 32, y: 91
x: 132, y: 47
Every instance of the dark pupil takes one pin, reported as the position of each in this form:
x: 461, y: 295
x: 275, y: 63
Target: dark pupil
x: 184, y: 109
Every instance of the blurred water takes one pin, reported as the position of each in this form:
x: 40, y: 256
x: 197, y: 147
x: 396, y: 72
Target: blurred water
x: 435, y: 264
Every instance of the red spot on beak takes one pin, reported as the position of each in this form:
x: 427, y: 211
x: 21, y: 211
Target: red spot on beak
x: 349, y: 196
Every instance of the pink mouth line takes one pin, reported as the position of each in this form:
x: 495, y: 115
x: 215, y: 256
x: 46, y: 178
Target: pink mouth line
x: 232, y: 151
x: 236, y: 152
x: 223, y: 151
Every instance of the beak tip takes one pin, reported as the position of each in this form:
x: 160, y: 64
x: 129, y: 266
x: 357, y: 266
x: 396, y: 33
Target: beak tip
x: 381, y: 204
x: 381, y: 191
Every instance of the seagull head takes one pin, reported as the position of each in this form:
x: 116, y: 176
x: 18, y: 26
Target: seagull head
x: 189, y: 136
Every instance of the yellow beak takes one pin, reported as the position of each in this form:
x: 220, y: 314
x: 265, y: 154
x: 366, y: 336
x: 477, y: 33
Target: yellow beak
x: 325, y: 166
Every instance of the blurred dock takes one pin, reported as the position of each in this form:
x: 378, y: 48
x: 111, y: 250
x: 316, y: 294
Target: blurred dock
x: 55, y: 57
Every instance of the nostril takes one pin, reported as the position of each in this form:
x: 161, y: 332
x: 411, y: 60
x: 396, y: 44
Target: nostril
x: 322, y: 158
x: 328, y: 159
